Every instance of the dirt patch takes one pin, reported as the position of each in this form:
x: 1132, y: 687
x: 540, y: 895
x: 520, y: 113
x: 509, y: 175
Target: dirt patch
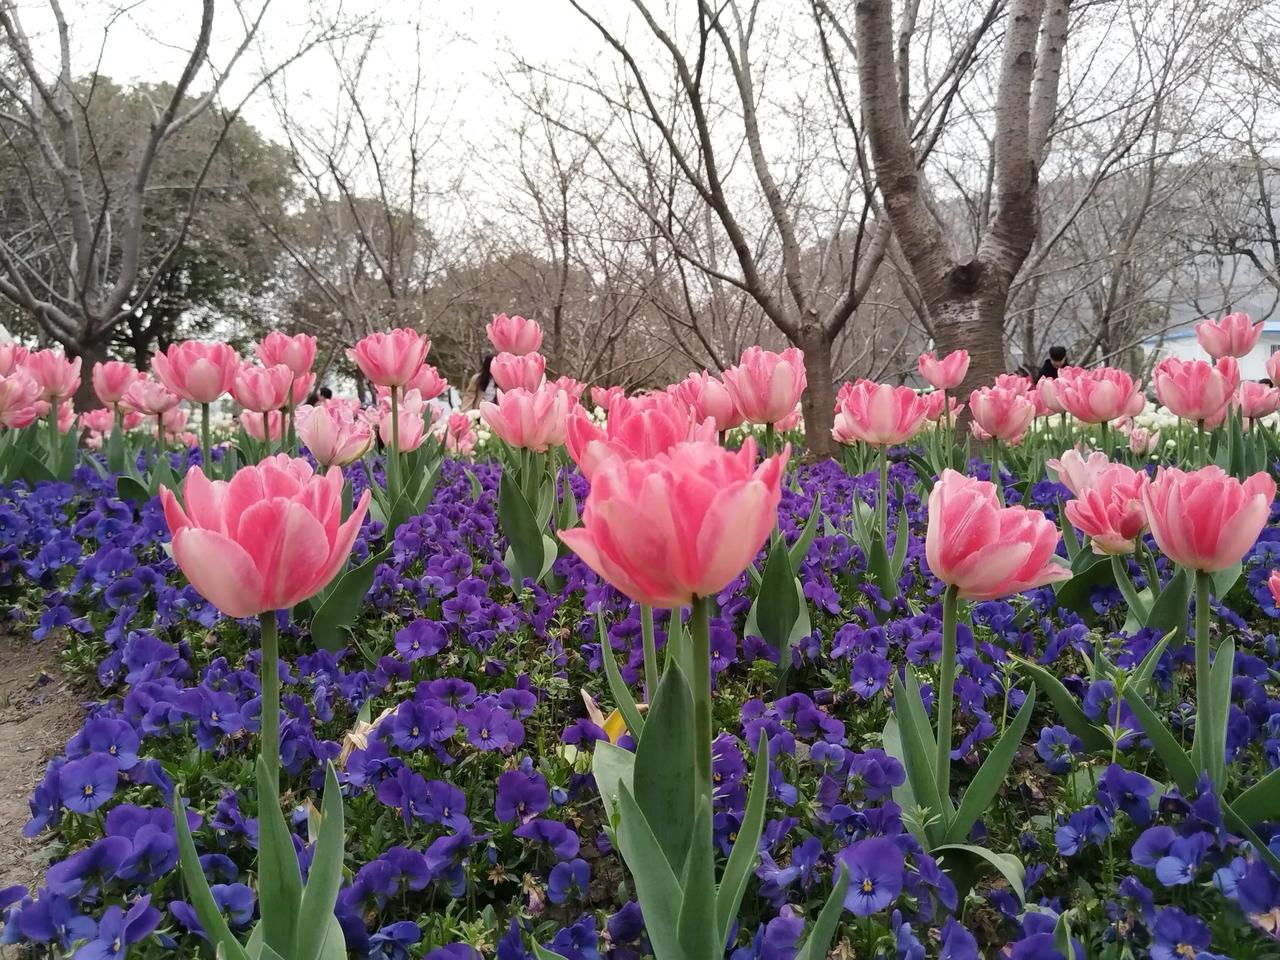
x: 38, y: 714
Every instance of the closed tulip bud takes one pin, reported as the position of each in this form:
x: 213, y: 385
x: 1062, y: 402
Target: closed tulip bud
x: 947, y: 373
x: 1232, y: 336
x: 261, y: 389
x: 297, y: 353
x: 514, y: 334
x: 391, y: 359
x: 112, y: 379
x: 197, y: 372
x: 766, y: 386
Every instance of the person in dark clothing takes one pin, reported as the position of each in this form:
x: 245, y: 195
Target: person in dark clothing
x: 481, y: 386
x: 1056, y: 361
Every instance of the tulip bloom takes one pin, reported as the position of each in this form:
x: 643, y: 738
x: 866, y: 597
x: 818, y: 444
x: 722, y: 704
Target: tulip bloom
x: 1047, y: 392
x: 297, y: 353
x: 1273, y: 584
x: 57, y: 376
x: 1078, y: 473
x: 530, y: 420
x: 112, y: 379
x: 681, y: 525
x: 947, y: 373
x: 197, y: 372
x: 459, y: 435
x: 1001, y: 412
x: 709, y: 399
x: 428, y: 382
x: 574, y: 388
x: 602, y: 396
x: 526, y: 371
x: 1195, y: 389
x: 1014, y: 382
x: 1110, y: 511
x: 333, y: 434
x: 19, y: 395
x: 391, y: 359
x: 264, y: 427
x: 1101, y: 395
x: 1257, y: 400
x: 1206, y: 520
x: 412, y: 419
x: 637, y: 428
x: 1143, y: 442
x: 266, y: 540
x: 97, y: 421
x: 261, y: 389
x: 12, y: 357
x: 1232, y: 336
x: 514, y: 334
x: 149, y: 397
x: 984, y: 550
x: 880, y: 414
x: 766, y: 386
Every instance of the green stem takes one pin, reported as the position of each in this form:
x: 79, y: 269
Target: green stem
x: 768, y: 439
x: 700, y: 655
x: 1148, y: 561
x: 946, y: 689
x: 882, y: 505
x: 393, y: 455
x: 204, y: 439
x: 1121, y: 571
x: 995, y: 470
x: 650, y: 652
x: 1202, y: 448
x: 270, y: 740
x: 1203, y: 581
x: 55, y: 448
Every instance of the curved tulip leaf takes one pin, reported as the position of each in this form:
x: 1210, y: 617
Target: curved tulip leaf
x: 542, y: 953
x: 342, y: 603
x: 919, y: 748
x: 746, y: 848
x: 1064, y: 703
x: 1009, y: 866
x: 215, y: 925
x: 657, y: 889
x: 777, y: 607
x: 986, y: 783
x: 1170, y: 609
x: 279, y: 879
x: 818, y: 942
x: 526, y: 553
x: 612, y: 767
x: 1166, y: 745
x: 316, y: 921
x: 1209, y: 748
x: 617, y: 686
x: 665, y: 785
x: 800, y: 549
x: 699, y: 934
x: 1261, y: 801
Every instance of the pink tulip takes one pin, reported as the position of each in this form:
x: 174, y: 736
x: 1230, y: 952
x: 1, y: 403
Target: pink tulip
x: 602, y: 396
x: 933, y: 406
x: 391, y: 359
x: 101, y: 420
x: 1273, y: 368
x: 880, y: 414
x: 709, y: 399
x: 1100, y: 395
x: 791, y: 421
x: 1195, y: 389
x: 428, y: 382
x: 1047, y: 392
x: 766, y: 386
x: 514, y: 335
x: 297, y: 353
x: 12, y: 356
x: 1206, y: 519
x: 266, y: 540
x: 1110, y: 511
x: 574, y: 388
x: 332, y: 433
x: 984, y: 550
x: 1232, y: 336
x: 262, y: 388
x: 57, y: 376
x: 1013, y: 382
x: 1001, y: 412
x: 19, y: 396
x: 149, y: 397
x: 301, y: 387
x: 263, y: 427
x: 112, y: 379
x: 413, y: 417
x: 1273, y: 584
x: 1078, y: 473
x: 529, y: 420
x: 197, y: 372
x: 947, y: 373
x: 459, y: 435
x: 636, y: 428
x: 1257, y: 400
x: 525, y: 371
x: 66, y: 416
x: 1143, y: 442
x: 173, y: 420
x: 680, y: 525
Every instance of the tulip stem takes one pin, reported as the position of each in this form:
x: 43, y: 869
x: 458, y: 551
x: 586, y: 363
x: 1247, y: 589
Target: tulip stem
x: 700, y: 641
x: 946, y: 689
x: 650, y: 652
x: 882, y: 506
x: 995, y: 470
x: 1203, y: 581
x: 1120, y: 568
x: 1202, y: 448
x: 768, y: 439
x: 393, y: 454
x: 270, y: 739
x: 204, y: 438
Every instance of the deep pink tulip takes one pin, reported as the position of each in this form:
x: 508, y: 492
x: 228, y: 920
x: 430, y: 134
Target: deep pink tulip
x: 1206, y: 519
x: 525, y: 371
x: 1232, y: 336
x: 297, y: 353
x: 266, y: 540
x: 197, y: 372
x: 1257, y: 400
x: 514, y: 334
x: 12, y: 356
x: 149, y: 397
x: 391, y: 359
x: 879, y: 414
x: 413, y: 418
x: 709, y: 399
x: 1110, y: 511
x: 112, y: 379
x: 636, y: 428
x: 1002, y: 412
x: 766, y: 386
x: 332, y: 433
x: 680, y: 525
x: 1273, y: 584
x: 983, y: 549
x: 574, y: 388
x: 602, y: 396
x: 1196, y: 390
x: 57, y: 376
x: 428, y: 382
x: 1100, y: 395
x: 459, y: 435
x: 262, y: 388
x: 947, y: 373
x: 1077, y: 472
x: 530, y: 420
x: 263, y: 427
x: 19, y: 395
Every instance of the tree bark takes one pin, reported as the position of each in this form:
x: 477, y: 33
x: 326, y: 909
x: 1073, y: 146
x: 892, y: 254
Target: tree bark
x: 818, y: 402
x: 90, y: 353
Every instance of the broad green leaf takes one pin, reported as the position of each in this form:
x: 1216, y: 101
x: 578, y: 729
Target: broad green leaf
x: 698, y: 932
x: 611, y: 766
x: 919, y: 749
x: 1169, y: 612
x: 901, y: 539
x: 1009, y: 866
x: 542, y: 953
x: 1069, y: 536
x: 657, y: 889
x: 127, y: 488
x: 1236, y: 825
x: 1062, y: 936
x: 1224, y: 580
x: 746, y: 848
x: 800, y: 549
x: 818, y: 942
x: 279, y: 880
x: 1210, y: 744
x: 1166, y: 745
x: 617, y: 686
x: 777, y: 607
x: 1087, y: 571
x: 215, y: 926
x: 1261, y: 801
x: 986, y: 783
x: 316, y: 922
x: 665, y: 786
x: 903, y: 795
x: 1065, y: 705
x: 477, y: 488
x: 526, y: 554
x: 341, y: 605
x: 879, y: 568
x: 1137, y: 606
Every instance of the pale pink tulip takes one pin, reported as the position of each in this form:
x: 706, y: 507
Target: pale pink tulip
x: 514, y: 335
x: 12, y: 356
x: 197, y: 372
x: 262, y: 388
x: 263, y: 427
x: 636, y: 428
x: 602, y: 396
x: 790, y: 422
x: 333, y: 433
x: 391, y: 359
x: 1110, y: 511
x: 1101, y: 395
x: 984, y: 550
x: 574, y: 388
x: 679, y: 525
x: 428, y: 382
x: 19, y: 396
x: 459, y: 435
x: 1273, y: 584
x: 709, y: 399
x: 1013, y: 382
x: 533, y: 421
x: 1232, y: 336
x: 1002, y: 412
x: 1143, y: 442
x: 766, y: 386
x: 266, y: 540
x: 99, y: 420
x: 149, y: 397
x: 301, y: 387
x: 111, y: 379
x: 1206, y: 519
x: 57, y: 376
x: 413, y: 418
x: 947, y: 373
x: 1078, y: 473
x: 297, y: 353
x: 1195, y: 389
x: 1257, y: 400
x: 880, y: 414
x: 523, y: 371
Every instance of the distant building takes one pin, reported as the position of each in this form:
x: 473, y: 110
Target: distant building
x: 1182, y: 343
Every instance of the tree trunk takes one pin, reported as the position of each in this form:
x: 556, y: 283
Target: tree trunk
x: 968, y: 314
x: 818, y: 402
x: 90, y: 354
